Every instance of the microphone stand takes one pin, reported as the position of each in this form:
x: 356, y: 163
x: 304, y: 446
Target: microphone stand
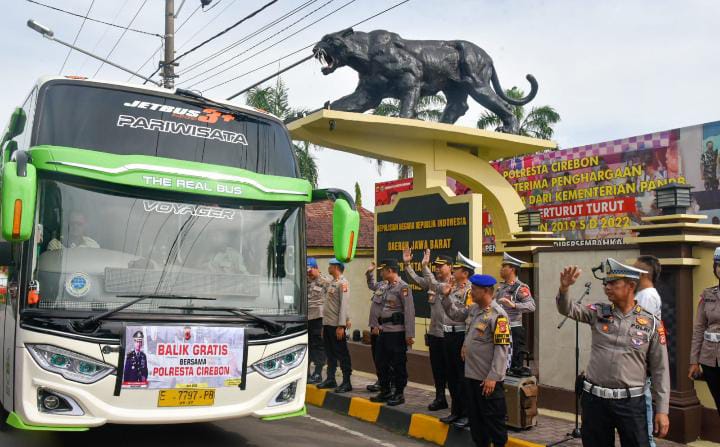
x: 575, y: 434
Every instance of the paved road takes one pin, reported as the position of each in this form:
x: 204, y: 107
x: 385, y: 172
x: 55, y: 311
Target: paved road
x: 319, y: 428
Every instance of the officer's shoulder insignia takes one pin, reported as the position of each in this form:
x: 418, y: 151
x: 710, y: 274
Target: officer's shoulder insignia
x: 592, y: 307
x: 405, y: 291
x: 638, y: 309
x: 524, y: 290
x: 468, y: 298
x: 662, y: 334
x: 502, y: 331
x: 345, y: 286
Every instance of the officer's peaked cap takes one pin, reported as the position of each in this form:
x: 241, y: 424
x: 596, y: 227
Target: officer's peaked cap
x: 615, y: 270
x: 465, y: 262
x: 507, y: 259
x: 443, y: 259
x: 391, y: 263
x: 483, y: 280
x: 138, y: 335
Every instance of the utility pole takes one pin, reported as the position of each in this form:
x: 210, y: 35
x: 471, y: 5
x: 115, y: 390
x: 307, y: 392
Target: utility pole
x: 168, y: 72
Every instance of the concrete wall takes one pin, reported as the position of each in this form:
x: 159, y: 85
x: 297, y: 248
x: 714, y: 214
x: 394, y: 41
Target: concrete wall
x: 555, y: 348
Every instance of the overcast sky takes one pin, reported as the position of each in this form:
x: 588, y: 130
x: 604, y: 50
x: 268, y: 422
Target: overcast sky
x: 611, y: 69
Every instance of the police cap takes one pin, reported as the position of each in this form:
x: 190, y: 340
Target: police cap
x: 389, y: 263
x: 443, y: 259
x: 312, y: 263
x: 138, y: 336
x: 483, y: 280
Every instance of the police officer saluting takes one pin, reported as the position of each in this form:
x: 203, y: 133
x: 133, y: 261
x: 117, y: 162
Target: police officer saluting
x: 628, y: 344
x: 396, y: 332
x: 335, y: 320
x: 515, y: 297
x: 434, y: 338
x: 316, y: 296
x: 486, y: 349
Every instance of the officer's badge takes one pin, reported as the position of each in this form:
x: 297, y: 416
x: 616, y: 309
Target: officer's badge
x: 405, y: 291
x: 480, y: 327
x: 637, y: 342
x: 642, y: 321
x: 662, y: 333
x: 502, y: 331
x: 638, y: 309
x: 605, y: 328
x: 345, y: 287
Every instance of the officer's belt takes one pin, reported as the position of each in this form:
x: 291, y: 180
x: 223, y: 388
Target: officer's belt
x: 450, y: 328
x: 613, y: 393
x: 397, y: 320
x: 712, y: 336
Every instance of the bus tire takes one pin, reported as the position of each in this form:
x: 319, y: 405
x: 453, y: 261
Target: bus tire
x: 3, y: 418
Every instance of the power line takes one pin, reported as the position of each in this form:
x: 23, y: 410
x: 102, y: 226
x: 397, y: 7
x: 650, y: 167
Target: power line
x: 102, y: 37
x: 273, y: 45
x: 305, y: 47
x: 67, y: 56
x: 121, y: 37
x: 161, y: 45
x: 258, y: 43
x: 247, y: 37
x: 94, y: 20
x: 204, y: 27
x: 247, y: 17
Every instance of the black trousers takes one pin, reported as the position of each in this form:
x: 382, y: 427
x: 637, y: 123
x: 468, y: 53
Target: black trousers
x: 518, y: 345
x: 391, y: 360
x: 337, y: 352
x: 316, y: 344
x: 452, y: 347
x: 437, y: 363
x: 712, y: 378
x: 486, y: 414
x: 602, y: 416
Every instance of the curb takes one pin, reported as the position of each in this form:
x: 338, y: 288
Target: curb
x: 416, y: 425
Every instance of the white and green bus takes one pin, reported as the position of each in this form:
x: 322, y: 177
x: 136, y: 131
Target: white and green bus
x: 154, y: 254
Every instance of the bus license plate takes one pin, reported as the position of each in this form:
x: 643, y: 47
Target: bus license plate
x: 186, y: 398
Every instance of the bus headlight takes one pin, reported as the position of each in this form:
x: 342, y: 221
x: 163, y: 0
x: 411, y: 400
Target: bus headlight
x: 280, y: 363
x: 69, y: 364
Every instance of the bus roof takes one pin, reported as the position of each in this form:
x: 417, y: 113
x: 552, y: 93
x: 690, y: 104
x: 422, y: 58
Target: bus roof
x: 153, y: 88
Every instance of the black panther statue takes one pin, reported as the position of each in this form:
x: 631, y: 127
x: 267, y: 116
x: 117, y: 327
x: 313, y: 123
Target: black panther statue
x: 392, y: 67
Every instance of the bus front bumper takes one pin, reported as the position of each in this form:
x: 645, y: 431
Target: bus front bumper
x: 98, y: 405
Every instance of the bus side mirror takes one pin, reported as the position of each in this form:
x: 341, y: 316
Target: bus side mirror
x: 346, y: 224
x: 19, y: 192
x: 16, y: 125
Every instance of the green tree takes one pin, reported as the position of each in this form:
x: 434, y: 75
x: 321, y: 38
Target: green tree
x: 274, y: 99
x: 430, y: 108
x: 358, y: 195
x: 538, y: 123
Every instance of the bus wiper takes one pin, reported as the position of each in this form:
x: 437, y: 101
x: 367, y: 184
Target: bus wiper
x: 92, y: 321
x: 273, y: 326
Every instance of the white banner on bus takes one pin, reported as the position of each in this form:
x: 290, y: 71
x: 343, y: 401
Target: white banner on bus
x: 184, y: 357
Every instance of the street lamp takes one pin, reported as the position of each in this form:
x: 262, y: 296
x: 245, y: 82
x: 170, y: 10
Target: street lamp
x: 673, y: 198
x: 49, y: 34
x: 529, y: 220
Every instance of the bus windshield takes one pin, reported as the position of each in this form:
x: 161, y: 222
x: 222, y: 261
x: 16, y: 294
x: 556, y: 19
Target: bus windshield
x: 140, y: 122
x: 96, y: 246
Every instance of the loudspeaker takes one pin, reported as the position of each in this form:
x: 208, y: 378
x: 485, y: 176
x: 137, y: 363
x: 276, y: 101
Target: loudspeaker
x: 521, y: 400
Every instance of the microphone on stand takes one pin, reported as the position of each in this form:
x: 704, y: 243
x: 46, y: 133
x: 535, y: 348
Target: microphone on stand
x: 588, y: 285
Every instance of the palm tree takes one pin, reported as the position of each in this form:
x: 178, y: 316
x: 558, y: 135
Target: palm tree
x: 538, y: 123
x: 275, y: 100
x: 430, y: 108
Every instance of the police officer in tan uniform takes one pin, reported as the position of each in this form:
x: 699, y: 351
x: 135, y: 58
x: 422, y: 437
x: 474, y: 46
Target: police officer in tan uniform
x: 316, y: 296
x: 628, y: 344
x: 335, y: 320
x: 434, y: 337
x: 396, y: 322
x: 515, y: 297
x: 486, y: 351
x: 705, y: 348
x: 454, y: 336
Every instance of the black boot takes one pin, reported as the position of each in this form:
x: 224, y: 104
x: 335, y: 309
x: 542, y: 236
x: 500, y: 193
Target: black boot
x: 314, y: 379
x: 345, y: 386
x: 396, y: 399
x: 383, y: 396
x: 461, y: 422
x: 449, y: 419
x: 373, y: 387
x: 328, y: 383
x: 440, y: 403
